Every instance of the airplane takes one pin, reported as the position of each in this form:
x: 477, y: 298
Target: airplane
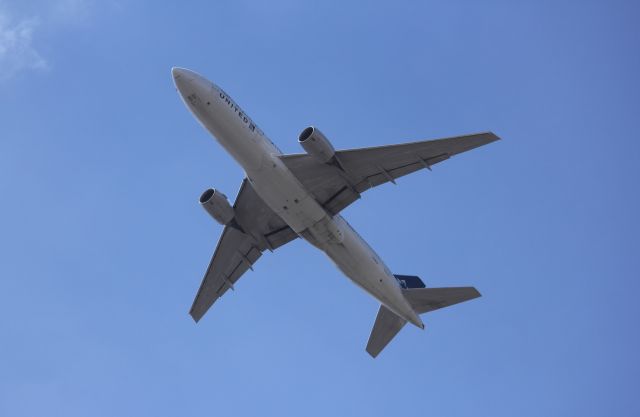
x: 284, y: 197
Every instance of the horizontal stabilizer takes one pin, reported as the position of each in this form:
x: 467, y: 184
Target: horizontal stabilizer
x: 387, y: 325
x: 424, y: 300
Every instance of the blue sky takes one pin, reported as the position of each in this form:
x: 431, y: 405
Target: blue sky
x: 104, y: 244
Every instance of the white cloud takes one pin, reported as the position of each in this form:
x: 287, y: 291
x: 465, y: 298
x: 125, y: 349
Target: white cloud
x: 17, y: 52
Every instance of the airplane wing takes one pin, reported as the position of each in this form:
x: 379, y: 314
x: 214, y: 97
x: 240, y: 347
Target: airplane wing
x: 258, y: 229
x: 335, y: 186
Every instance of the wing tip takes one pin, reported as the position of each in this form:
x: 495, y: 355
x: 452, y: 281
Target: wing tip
x: 492, y: 137
x: 196, y: 317
x: 474, y: 293
x: 372, y: 352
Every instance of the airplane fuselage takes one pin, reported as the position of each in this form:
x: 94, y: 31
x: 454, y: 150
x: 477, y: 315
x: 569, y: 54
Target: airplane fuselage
x: 286, y: 196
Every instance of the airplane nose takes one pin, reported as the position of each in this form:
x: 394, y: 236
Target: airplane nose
x: 180, y: 78
x: 178, y: 73
x: 183, y: 76
x: 194, y: 89
x: 188, y: 82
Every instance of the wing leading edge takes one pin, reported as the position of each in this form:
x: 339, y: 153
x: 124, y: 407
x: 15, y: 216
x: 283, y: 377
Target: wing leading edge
x: 337, y: 186
x: 234, y: 254
x: 240, y: 247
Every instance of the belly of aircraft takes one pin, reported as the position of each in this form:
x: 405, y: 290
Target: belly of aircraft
x: 284, y: 194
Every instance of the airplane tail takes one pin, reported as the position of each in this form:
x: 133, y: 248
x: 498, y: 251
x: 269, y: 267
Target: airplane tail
x: 422, y: 300
x: 386, y: 327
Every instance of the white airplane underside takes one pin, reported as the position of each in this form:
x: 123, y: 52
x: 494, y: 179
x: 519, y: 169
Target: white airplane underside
x: 284, y: 197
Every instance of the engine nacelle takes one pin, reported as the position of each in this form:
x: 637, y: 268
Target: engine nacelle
x: 316, y: 144
x: 217, y: 205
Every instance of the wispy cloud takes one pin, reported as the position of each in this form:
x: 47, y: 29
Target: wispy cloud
x: 18, y: 49
x: 17, y: 52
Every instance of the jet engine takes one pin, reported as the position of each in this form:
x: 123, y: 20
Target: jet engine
x: 316, y: 144
x: 217, y: 205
